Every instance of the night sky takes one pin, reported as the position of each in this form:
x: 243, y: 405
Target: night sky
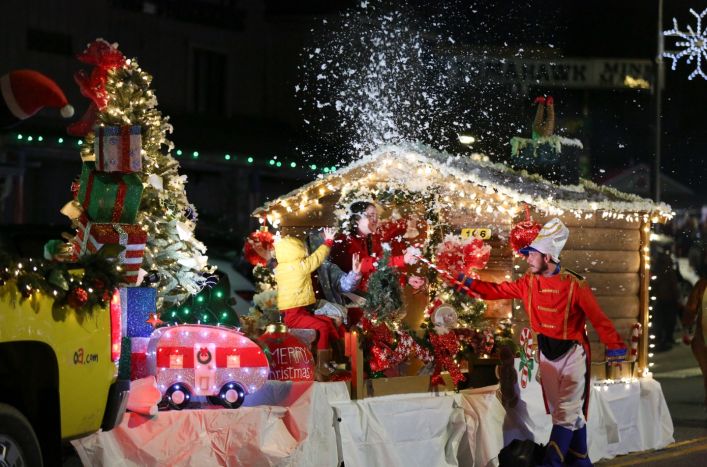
x: 617, y: 124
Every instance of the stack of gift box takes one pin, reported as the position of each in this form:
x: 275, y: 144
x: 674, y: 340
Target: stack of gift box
x: 109, y: 193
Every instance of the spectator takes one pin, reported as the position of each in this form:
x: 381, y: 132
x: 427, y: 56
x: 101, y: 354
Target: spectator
x: 694, y: 312
x: 667, y: 295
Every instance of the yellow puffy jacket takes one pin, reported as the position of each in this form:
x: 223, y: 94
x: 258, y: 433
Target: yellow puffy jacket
x: 293, y: 272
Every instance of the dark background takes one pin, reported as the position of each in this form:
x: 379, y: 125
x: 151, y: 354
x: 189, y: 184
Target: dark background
x: 226, y: 71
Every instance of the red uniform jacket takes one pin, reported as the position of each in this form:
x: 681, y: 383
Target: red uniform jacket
x: 557, y: 305
x: 345, y: 246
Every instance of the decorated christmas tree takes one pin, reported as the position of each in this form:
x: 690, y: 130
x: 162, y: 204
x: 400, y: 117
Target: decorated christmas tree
x: 212, y: 305
x: 123, y: 99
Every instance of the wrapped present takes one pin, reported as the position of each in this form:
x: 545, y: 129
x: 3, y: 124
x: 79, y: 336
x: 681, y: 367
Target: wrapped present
x: 118, y: 148
x: 91, y: 237
x: 109, y: 197
x: 137, y: 303
x: 138, y: 357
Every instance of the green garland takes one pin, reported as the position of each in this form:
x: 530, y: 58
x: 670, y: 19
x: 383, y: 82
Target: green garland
x: 61, y: 281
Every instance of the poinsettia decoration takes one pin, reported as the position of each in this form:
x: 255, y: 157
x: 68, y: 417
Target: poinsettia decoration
x: 258, y: 248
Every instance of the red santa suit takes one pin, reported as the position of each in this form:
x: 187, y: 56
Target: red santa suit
x: 557, y: 307
x: 370, y: 250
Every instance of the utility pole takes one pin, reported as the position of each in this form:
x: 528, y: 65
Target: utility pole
x: 659, y: 81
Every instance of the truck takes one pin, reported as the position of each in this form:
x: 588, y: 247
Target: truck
x: 58, y: 375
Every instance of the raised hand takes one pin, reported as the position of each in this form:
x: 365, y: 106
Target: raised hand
x: 329, y: 233
x: 356, y: 263
x: 411, y: 255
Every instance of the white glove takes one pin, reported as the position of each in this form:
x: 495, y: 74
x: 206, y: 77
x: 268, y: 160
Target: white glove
x: 411, y: 255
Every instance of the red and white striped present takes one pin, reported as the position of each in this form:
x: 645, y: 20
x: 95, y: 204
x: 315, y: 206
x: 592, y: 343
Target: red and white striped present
x: 118, y: 148
x: 92, y: 236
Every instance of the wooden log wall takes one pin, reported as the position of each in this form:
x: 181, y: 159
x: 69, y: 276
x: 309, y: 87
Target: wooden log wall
x: 607, y: 252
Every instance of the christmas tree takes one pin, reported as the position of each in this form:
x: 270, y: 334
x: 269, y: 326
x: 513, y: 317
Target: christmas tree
x: 384, y: 299
x: 212, y: 305
x: 165, y: 213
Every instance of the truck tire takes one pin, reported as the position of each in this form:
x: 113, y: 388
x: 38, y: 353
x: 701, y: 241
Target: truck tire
x: 18, y: 443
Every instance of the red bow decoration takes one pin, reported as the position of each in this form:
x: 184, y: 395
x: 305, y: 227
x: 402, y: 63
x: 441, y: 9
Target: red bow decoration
x: 445, y: 348
x: 258, y: 247
x: 104, y: 57
x: 462, y: 255
x: 524, y: 232
x: 383, y: 356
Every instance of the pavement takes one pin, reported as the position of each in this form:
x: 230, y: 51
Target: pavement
x: 681, y: 380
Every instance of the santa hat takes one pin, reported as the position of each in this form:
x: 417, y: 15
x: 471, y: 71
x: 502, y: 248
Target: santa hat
x: 550, y: 240
x: 26, y: 92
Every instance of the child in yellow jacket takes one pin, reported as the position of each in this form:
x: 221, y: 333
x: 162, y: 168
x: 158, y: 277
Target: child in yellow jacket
x: 295, y: 291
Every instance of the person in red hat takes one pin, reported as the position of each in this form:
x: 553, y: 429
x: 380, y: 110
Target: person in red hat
x: 26, y: 92
x: 558, y: 302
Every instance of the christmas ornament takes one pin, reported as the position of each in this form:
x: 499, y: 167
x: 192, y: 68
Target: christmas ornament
x: 77, y: 297
x: 526, y: 357
x: 524, y: 232
x: 290, y: 359
x: 189, y: 211
x: 213, y: 361
x: 152, y: 277
x: 258, y: 248
x: 154, y: 320
x: 694, y: 42
x: 444, y: 317
x: 26, y: 92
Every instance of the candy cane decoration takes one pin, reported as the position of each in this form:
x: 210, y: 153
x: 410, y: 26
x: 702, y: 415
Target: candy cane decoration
x: 636, y: 331
x: 526, y: 360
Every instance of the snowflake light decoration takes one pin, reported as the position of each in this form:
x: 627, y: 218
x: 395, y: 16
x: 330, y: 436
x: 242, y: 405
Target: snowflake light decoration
x: 694, y: 43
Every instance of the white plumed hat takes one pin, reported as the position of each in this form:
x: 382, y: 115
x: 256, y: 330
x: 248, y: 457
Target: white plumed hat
x: 550, y: 240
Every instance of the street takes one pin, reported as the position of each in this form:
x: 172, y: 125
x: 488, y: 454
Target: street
x: 681, y: 380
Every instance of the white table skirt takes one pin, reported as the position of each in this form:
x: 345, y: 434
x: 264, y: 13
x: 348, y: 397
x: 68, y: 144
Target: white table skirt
x: 292, y: 424
x: 315, y: 424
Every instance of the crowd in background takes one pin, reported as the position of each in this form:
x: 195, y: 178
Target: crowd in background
x: 678, y: 261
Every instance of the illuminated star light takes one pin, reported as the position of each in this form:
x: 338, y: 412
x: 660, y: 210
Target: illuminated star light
x: 695, y: 44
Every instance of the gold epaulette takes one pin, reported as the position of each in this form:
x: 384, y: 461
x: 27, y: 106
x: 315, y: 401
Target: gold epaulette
x: 574, y: 274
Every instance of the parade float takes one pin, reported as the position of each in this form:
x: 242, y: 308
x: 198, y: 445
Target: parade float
x: 608, y: 243
x: 455, y: 211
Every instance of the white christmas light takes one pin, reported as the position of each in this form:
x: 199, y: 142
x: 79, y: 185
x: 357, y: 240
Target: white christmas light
x: 694, y: 44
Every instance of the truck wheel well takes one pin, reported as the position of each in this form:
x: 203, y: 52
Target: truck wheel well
x: 29, y: 381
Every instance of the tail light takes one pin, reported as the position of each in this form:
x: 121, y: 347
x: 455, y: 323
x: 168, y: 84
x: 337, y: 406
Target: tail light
x: 115, y: 326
